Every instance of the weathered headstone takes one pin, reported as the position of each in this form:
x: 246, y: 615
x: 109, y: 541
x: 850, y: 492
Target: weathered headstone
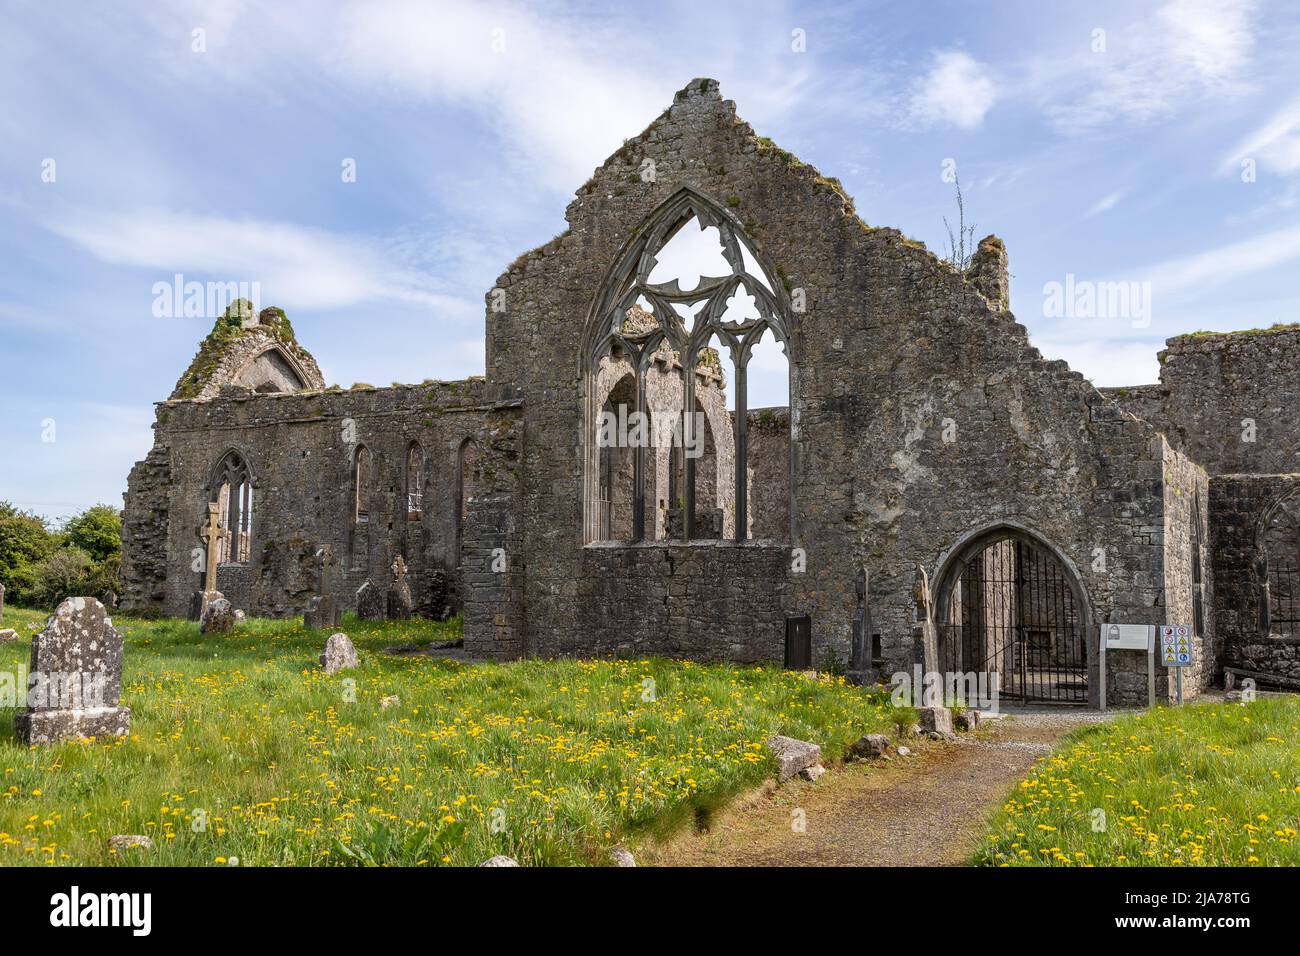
x: 399, y: 592
x: 339, y: 654
x: 218, y: 617
x: 321, y: 610
x: 371, y: 602
x: 74, y: 686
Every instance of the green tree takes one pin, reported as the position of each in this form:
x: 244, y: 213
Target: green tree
x: 25, y: 541
x: 97, y: 531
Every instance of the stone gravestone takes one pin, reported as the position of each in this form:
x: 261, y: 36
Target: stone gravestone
x: 371, y: 602
x: 218, y: 617
x: 74, y: 687
x: 321, y: 610
x: 399, y: 593
x: 339, y: 654
x: 212, y: 534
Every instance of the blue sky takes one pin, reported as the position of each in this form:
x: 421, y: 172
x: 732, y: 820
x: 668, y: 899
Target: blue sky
x: 1106, y: 156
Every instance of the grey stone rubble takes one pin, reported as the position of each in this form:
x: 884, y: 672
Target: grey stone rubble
x: 500, y: 861
x: 75, y: 678
x: 967, y: 720
x: 935, y: 722
x: 130, y: 841
x: 813, y: 773
x: 869, y: 747
x: 8, y: 634
x: 922, y: 429
x: 339, y: 654
x: 792, y: 756
x: 620, y: 856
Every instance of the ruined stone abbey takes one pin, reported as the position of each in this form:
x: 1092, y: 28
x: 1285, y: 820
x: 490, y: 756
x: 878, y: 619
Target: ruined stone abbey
x: 934, y: 482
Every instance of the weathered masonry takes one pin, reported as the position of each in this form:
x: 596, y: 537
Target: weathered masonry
x: 608, y: 488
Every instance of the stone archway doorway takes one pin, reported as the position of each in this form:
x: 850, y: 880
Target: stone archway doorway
x: 1011, y: 611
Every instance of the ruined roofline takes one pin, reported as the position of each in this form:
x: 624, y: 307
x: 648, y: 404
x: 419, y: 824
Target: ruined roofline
x: 1215, y: 339
x: 980, y: 277
x: 236, y: 394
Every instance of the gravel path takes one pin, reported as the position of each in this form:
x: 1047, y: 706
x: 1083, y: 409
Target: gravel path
x: 927, y: 809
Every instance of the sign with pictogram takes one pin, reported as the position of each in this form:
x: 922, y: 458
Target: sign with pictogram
x: 1175, y: 645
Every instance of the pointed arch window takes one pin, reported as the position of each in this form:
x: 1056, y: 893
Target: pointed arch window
x: 360, y: 483
x: 415, y: 467
x: 663, y: 409
x: 232, y: 490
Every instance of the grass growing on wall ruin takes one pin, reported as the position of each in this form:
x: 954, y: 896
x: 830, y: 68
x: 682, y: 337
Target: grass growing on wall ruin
x: 1214, y: 784
x: 565, y: 756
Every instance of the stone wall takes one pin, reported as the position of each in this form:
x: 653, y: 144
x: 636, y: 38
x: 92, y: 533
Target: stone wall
x: 894, y: 351
x: 300, y: 449
x: 1239, y: 506
x: 1231, y: 400
x: 1187, y: 531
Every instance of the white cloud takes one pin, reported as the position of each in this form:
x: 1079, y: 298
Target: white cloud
x: 958, y: 90
x: 1180, y: 277
x: 1104, y: 204
x: 296, y: 267
x: 1275, y: 145
x: 1151, y: 67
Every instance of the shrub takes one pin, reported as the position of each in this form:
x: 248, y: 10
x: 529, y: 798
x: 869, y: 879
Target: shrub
x: 63, y: 574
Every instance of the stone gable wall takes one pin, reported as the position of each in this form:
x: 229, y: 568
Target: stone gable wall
x: 892, y: 346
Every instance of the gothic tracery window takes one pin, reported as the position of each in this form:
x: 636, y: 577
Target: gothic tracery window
x: 233, y: 493
x: 669, y: 450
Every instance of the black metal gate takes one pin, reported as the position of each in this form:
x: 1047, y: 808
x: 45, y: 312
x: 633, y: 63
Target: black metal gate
x: 1011, y: 618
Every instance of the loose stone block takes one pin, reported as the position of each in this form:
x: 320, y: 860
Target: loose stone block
x: 339, y: 654
x: 869, y: 747
x: 7, y: 635
x: 935, y: 720
x: 75, y: 679
x: 500, y: 861
x: 621, y: 857
x: 968, y: 720
x: 129, y: 841
x: 793, y: 756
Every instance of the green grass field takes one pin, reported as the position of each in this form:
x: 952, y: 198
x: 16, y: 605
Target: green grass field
x: 243, y: 750
x: 1210, y: 784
